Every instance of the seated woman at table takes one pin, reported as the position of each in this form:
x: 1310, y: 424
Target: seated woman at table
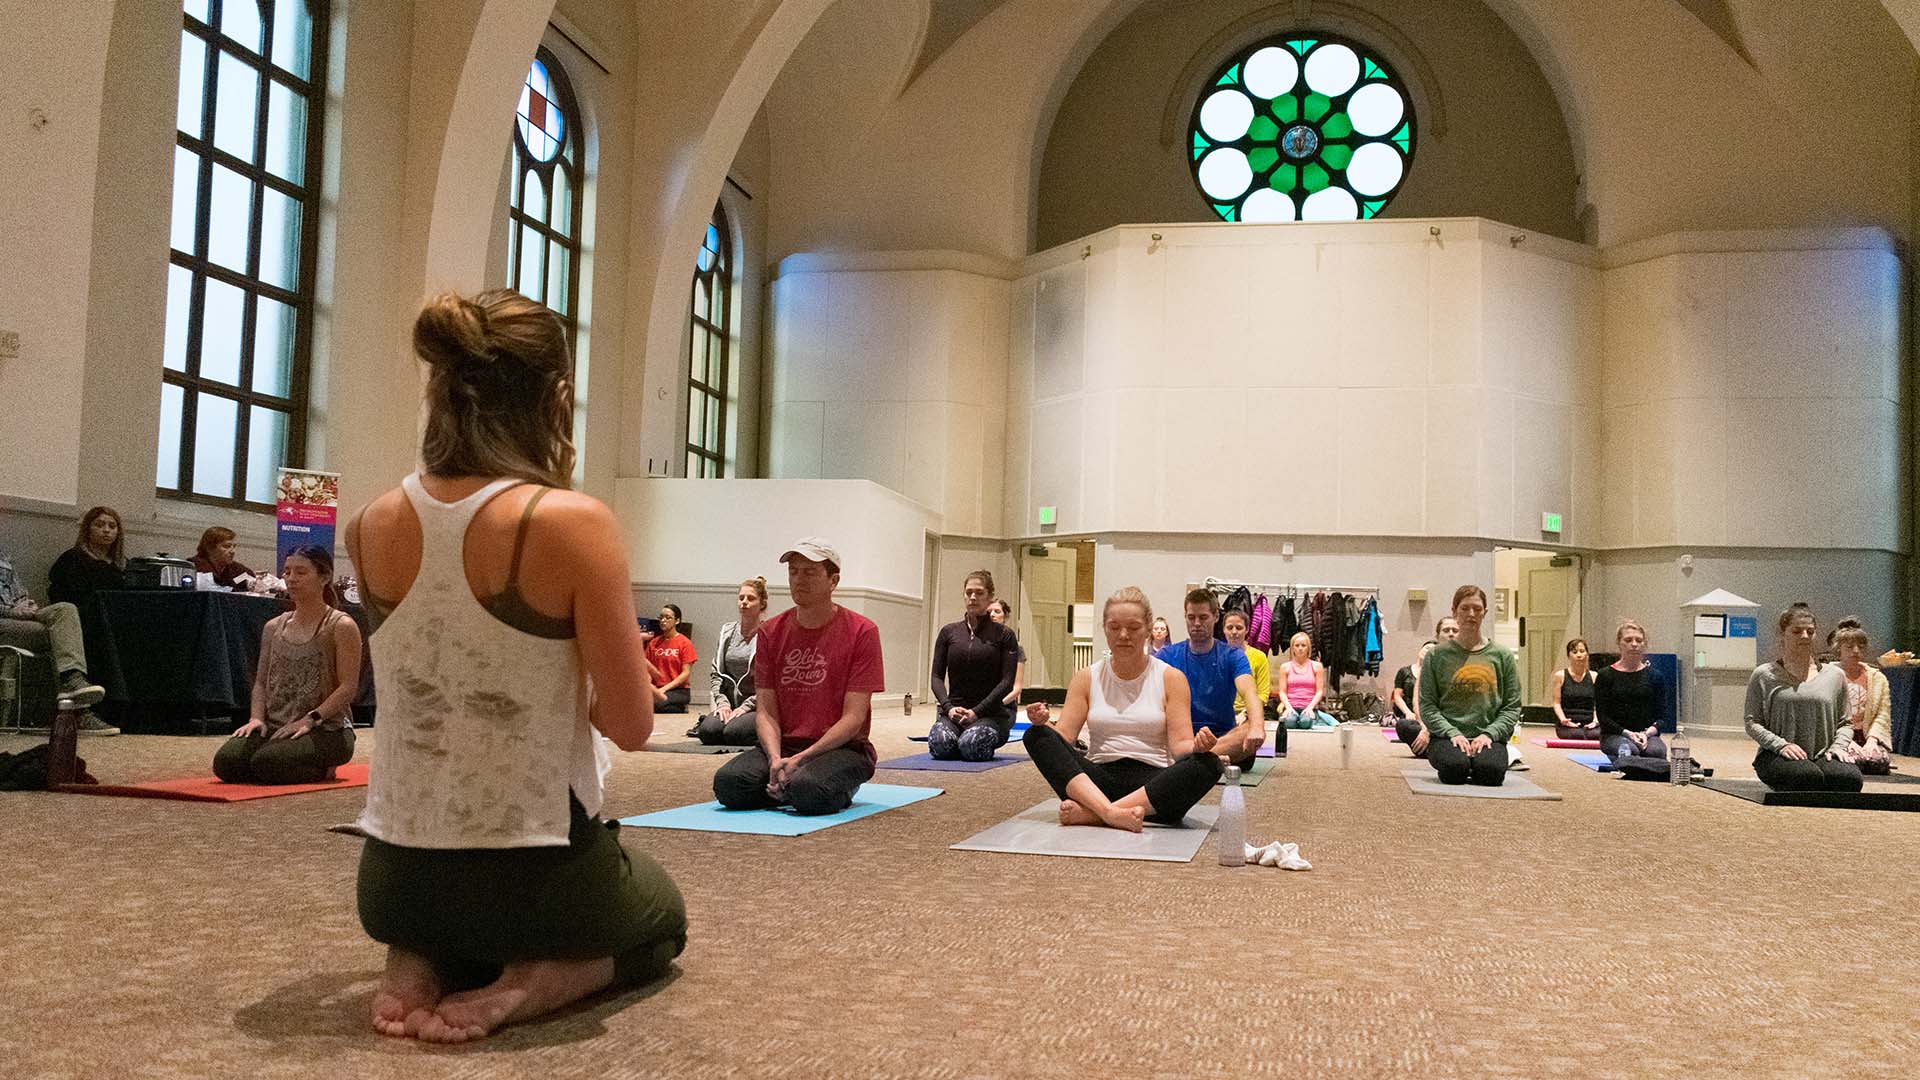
x: 1144, y: 762
x: 1795, y: 710
x: 1869, y: 715
x: 303, y: 689
x: 96, y: 561
x: 735, y: 716
x: 1303, y: 686
x: 1572, y: 696
x: 672, y: 655
x: 1624, y: 696
x: 215, y: 556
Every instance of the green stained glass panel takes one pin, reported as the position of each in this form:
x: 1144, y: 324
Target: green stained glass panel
x: 1404, y: 138
x: 1367, y: 210
x: 1302, y: 45
x: 1336, y: 154
x: 1263, y: 129
x: 1338, y: 126
x: 1315, y: 177
x: 1200, y: 145
x: 1317, y: 106
x: 1284, y: 178
x: 1262, y: 158
x: 1287, y: 109
x: 1227, y: 213
x: 1231, y: 78
x: 1372, y: 71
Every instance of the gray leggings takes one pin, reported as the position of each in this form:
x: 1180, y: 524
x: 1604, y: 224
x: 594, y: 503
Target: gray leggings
x: 947, y: 740
x: 1617, y: 747
x: 256, y: 759
x: 1813, y: 774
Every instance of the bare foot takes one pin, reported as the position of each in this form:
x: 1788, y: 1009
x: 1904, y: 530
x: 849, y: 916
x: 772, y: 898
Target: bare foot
x: 522, y: 992
x: 1072, y: 813
x: 408, y: 992
x: 1129, y: 818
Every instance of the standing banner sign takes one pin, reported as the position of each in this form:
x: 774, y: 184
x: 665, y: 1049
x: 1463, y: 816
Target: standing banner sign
x: 307, y: 504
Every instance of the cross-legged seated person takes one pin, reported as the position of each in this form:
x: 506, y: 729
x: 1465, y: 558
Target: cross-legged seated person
x: 1795, y: 706
x: 1470, y: 699
x: 1304, y: 680
x: 1572, y: 695
x: 672, y: 657
x: 1624, y: 693
x: 303, y: 688
x: 816, y: 671
x: 1145, y: 760
x: 1234, y: 625
x: 1869, y: 717
x: 973, y: 668
x: 487, y: 871
x: 62, y: 624
x: 1216, y: 673
x: 1406, y: 702
x: 734, y: 720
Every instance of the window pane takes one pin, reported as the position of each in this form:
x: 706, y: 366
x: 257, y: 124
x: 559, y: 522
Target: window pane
x: 532, y: 274
x: 179, y: 306
x: 697, y: 356
x: 292, y: 35
x: 562, y: 201
x: 266, y: 450
x: 513, y: 256
x: 236, y: 107
x: 197, y: 9
x: 557, y: 276
x: 286, y: 133
x: 240, y: 20
x: 213, y: 434
x: 193, y: 84
x: 713, y: 425
x: 703, y: 297
x: 716, y: 355
x: 696, y: 416
x: 231, y: 219
x: 272, y: 347
x: 534, y: 199
x: 220, y: 323
x: 186, y: 198
x: 279, y: 240
x: 166, y: 472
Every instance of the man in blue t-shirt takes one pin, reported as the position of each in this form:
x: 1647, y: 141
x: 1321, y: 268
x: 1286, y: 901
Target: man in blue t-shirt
x: 1216, y: 672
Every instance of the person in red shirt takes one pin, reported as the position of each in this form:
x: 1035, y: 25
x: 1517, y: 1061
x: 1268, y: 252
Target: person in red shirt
x: 672, y: 655
x: 816, y: 670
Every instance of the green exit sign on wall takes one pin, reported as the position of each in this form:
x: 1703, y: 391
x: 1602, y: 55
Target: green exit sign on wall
x: 1549, y: 523
x: 1046, y: 515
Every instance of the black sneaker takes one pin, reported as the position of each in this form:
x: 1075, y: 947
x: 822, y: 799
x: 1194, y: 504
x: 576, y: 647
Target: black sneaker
x: 74, y: 687
x: 93, y: 725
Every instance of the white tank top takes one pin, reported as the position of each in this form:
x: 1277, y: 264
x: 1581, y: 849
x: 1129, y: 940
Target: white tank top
x: 1127, y: 718
x: 483, y: 728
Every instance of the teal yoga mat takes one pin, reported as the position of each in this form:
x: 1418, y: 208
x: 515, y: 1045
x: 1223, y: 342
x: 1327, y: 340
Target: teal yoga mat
x: 712, y: 817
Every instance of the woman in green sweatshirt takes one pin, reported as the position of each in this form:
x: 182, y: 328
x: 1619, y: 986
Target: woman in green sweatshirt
x: 1470, y: 699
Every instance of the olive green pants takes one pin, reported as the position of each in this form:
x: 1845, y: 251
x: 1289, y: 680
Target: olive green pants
x: 473, y: 911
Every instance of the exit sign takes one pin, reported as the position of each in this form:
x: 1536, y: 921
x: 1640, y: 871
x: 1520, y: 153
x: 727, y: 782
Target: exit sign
x: 1046, y: 515
x: 1549, y: 523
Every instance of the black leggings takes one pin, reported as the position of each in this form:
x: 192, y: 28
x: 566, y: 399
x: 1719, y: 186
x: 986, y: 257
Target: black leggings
x: 1488, y: 768
x: 1171, y: 791
x: 677, y: 699
x: 1813, y: 774
x: 742, y: 730
x: 1409, y: 729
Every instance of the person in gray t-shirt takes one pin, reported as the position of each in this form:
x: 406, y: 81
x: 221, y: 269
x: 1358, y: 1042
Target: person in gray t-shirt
x: 733, y: 713
x: 1794, y: 706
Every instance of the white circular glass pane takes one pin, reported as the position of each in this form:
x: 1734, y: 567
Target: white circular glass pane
x: 1226, y: 115
x: 1330, y: 204
x: 1375, y: 168
x: 1267, y: 205
x: 1271, y: 72
x: 1225, y: 174
x: 1376, y: 109
x: 1332, y: 70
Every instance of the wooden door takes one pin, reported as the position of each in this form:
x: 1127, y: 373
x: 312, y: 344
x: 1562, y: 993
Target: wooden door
x: 1046, y: 595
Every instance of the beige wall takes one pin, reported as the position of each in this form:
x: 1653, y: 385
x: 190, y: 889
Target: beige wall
x: 1503, y: 151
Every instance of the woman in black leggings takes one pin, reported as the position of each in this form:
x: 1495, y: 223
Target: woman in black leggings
x: 1144, y: 762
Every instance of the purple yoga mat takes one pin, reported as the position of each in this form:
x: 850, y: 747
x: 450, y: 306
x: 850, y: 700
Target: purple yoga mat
x: 927, y: 763
x: 1391, y: 734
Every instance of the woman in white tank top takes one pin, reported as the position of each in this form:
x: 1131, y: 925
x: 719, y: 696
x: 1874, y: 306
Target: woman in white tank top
x: 496, y: 594
x: 1143, y: 762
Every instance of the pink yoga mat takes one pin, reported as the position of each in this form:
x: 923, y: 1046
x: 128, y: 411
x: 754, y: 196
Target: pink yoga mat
x: 213, y: 789
x: 1569, y: 744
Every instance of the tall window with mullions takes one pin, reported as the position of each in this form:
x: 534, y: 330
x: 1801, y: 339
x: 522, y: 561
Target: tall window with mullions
x: 246, y: 170
x: 543, y: 214
x: 711, y: 347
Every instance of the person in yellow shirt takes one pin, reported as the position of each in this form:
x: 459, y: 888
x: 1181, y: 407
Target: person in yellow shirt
x: 1236, y: 629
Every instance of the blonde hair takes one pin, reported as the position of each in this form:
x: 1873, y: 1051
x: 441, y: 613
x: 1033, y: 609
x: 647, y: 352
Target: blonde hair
x: 1295, y: 640
x: 1848, y: 631
x: 759, y: 587
x: 1129, y: 595
x: 1626, y: 625
x: 499, y: 388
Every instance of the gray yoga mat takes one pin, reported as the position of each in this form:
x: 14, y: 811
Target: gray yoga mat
x: 1254, y: 773
x: 1037, y: 831
x: 1889, y: 797
x: 691, y: 746
x: 1424, y: 781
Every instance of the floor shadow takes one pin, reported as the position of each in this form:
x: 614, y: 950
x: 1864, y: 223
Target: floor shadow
x: 329, y: 1006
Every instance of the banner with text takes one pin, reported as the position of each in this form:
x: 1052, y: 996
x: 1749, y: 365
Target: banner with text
x: 307, y: 504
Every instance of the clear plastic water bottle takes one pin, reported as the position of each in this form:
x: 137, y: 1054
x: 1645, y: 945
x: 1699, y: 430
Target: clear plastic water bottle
x: 1232, y: 826
x: 1346, y: 745
x: 1679, y: 757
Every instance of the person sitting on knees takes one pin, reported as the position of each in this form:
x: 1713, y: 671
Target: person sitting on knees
x: 303, y: 687
x: 734, y: 720
x: 1406, y: 701
x: 1869, y: 715
x: 1305, y: 682
x: 816, y: 670
x: 214, y: 557
x: 1470, y: 699
x: 1624, y: 696
x: 1146, y: 760
x: 62, y: 624
x: 1216, y: 673
x: 1795, y: 710
x: 998, y: 610
x: 672, y: 657
x: 1235, y: 625
x: 1572, y: 695
x: 978, y: 657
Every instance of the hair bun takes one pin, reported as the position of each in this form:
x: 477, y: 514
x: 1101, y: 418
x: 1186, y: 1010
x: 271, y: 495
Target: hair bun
x: 451, y: 332
x: 1851, y: 622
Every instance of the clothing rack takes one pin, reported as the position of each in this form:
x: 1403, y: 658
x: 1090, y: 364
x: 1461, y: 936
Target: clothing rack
x: 1295, y: 587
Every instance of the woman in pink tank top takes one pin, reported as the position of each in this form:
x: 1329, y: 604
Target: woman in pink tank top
x: 1306, y: 684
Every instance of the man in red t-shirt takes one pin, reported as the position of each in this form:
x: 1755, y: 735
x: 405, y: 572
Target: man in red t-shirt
x: 816, y: 669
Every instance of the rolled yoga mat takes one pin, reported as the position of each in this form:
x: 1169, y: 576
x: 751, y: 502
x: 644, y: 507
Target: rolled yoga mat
x: 712, y: 817
x: 1037, y: 831
x: 1518, y: 786
x: 928, y: 763
x: 213, y: 789
x: 1569, y: 744
x: 1871, y: 798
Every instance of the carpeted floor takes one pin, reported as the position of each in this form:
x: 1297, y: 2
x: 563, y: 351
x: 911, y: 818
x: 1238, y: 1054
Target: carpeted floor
x: 1629, y: 930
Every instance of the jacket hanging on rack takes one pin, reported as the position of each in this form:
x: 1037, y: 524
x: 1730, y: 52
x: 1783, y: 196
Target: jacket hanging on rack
x: 1284, y: 625
x: 1259, y: 623
x: 1376, y: 642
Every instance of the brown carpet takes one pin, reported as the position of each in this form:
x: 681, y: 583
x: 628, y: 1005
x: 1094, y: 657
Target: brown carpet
x: 1630, y: 930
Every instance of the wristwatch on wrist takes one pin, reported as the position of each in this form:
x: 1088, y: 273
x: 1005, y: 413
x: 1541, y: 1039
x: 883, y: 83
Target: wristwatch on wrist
x: 313, y: 715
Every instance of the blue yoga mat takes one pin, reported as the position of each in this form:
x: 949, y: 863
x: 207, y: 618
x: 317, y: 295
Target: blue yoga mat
x: 1592, y: 759
x: 928, y: 763
x: 712, y: 817
x: 1013, y: 735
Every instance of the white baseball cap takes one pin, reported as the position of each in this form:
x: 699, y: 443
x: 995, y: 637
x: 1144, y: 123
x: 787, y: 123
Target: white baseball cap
x: 815, y: 549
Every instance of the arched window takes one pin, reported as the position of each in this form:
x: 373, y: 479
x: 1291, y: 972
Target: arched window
x: 1302, y: 127
x: 543, y: 213
x: 710, y: 352
x: 246, y: 170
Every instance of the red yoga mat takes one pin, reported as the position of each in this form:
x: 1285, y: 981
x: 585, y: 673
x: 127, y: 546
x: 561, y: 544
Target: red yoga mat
x: 213, y: 789
x: 1569, y: 744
